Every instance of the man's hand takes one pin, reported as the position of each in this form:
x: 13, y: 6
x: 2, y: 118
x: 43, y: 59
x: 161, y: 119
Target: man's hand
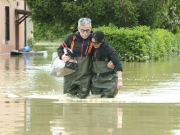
x: 110, y: 65
x: 64, y: 57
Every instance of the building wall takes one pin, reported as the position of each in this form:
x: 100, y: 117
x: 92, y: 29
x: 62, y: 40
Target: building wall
x: 6, y: 47
x: 29, y: 28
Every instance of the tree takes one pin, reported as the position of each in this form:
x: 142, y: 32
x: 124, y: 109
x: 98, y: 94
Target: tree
x: 171, y: 16
x: 150, y: 12
x: 61, y: 16
x: 4, y: 0
x: 65, y: 13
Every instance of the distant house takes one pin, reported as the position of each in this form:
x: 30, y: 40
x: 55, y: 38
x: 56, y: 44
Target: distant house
x: 13, y: 25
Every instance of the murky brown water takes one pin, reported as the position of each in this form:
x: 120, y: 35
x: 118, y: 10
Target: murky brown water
x: 31, y: 101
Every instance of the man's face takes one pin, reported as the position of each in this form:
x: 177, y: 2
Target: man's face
x: 84, y: 31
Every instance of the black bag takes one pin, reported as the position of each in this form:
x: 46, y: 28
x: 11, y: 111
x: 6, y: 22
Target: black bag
x: 71, y: 64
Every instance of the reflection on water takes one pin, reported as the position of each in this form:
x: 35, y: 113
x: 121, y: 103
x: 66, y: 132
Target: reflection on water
x: 31, y: 101
x: 27, y: 76
x: 12, y: 115
x: 84, y: 119
x: 48, y: 117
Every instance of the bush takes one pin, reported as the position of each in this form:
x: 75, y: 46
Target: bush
x: 141, y: 43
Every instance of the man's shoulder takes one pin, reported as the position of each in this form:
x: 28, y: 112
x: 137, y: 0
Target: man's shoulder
x: 70, y: 35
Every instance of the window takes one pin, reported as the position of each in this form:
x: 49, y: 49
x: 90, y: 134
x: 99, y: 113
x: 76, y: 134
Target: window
x: 7, y: 28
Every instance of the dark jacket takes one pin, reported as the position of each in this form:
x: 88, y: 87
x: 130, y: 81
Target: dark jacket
x: 80, y: 45
x: 107, y: 53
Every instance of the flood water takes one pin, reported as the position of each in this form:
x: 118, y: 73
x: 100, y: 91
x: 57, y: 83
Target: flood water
x: 31, y: 101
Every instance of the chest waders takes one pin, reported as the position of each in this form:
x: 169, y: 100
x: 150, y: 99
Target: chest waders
x: 78, y: 83
x: 104, y: 80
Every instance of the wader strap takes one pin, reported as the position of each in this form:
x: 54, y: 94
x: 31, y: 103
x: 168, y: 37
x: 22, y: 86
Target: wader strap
x: 64, y: 45
x: 72, y: 43
x: 89, y: 49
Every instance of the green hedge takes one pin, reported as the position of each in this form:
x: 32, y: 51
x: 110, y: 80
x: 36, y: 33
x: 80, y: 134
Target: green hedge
x: 141, y: 43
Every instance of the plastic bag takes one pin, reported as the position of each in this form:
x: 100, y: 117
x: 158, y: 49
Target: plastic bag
x: 58, y: 68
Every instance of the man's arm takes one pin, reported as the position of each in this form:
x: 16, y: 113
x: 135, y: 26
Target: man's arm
x: 60, y: 49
